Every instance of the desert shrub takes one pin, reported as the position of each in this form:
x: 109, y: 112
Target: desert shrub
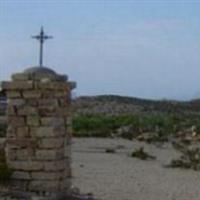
x: 141, y: 154
x: 190, y: 158
x: 107, y: 125
x: 110, y: 150
x: 163, y: 125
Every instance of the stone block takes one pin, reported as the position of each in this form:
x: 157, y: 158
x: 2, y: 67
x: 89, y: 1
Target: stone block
x: 50, y: 102
x: 47, y: 175
x: 22, y: 132
x: 58, y: 165
x: 31, y: 102
x: 27, y: 110
x: 13, y: 94
x: 20, y: 77
x: 61, y: 94
x: 11, y: 154
x: 42, y: 185
x: 52, y: 86
x: 50, y: 143
x: 50, y: 154
x: 27, y: 165
x: 11, y: 110
x: 47, y: 132
x: 31, y: 94
x: 47, y: 111
x: 21, y: 175
x: 21, y: 143
x: 47, y: 94
x: 11, y: 131
x: 66, y: 184
x: 64, y: 102
x: 60, y: 111
x: 33, y: 120
x: 17, y: 85
x: 52, y: 121
x: 16, y: 121
x: 23, y: 154
x: 16, y: 102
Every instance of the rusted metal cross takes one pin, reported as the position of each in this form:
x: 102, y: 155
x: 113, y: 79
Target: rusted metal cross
x: 41, y: 38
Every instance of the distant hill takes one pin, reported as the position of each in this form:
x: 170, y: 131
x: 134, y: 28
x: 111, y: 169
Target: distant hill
x: 119, y: 105
x: 115, y: 105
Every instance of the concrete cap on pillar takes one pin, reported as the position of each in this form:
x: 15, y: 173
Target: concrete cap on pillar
x: 44, y: 72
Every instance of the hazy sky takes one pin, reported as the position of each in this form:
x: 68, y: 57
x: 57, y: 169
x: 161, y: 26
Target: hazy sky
x: 139, y: 48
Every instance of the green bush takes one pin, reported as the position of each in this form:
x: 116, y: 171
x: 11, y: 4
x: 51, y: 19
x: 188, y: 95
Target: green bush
x: 190, y: 159
x: 161, y: 124
x: 141, y: 154
x: 105, y: 126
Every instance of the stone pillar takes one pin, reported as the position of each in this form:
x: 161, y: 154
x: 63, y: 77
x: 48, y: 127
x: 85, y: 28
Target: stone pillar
x: 38, y: 141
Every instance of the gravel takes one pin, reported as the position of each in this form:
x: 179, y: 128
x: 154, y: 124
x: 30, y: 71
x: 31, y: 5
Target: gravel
x: 118, y: 176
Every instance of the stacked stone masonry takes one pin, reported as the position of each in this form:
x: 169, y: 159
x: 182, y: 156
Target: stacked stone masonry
x: 38, y: 136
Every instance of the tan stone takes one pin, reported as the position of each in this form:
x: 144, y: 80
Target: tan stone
x: 21, y: 143
x: 11, y: 154
x: 22, y: 132
x: 17, y: 85
x: 50, y: 154
x: 44, y: 185
x: 31, y: 102
x: 46, y: 175
x: 55, y: 165
x: 50, y: 102
x: 11, y: 131
x: 31, y: 94
x: 33, y: 120
x: 52, y: 86
x: 64, y: 102
x: 65, y: 112
x: 38, y: 148
x: 20, y: 77
x: 27, y: 110
x: 16, y: 121
x: 62, y: 94
x: 21, y: 175
x: 16, y: 102
x: 27, y: 165
x: 49, y: 143
x: 11, y: 110
x: 52, y: 121
x: 23, y: 154
x: 13, y: 94
x: 66, y: 184
x: 47, y: 111
x: 47, y: 132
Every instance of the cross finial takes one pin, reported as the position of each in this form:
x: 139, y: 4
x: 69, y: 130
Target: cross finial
x: 41, y: 38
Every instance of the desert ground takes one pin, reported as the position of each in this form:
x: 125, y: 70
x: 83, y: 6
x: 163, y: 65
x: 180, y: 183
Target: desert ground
x: 118, y: 176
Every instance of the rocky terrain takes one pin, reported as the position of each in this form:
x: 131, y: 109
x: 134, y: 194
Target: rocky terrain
x: 118, y: 105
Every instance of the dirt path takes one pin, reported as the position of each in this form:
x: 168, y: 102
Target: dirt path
x: 120, y: 177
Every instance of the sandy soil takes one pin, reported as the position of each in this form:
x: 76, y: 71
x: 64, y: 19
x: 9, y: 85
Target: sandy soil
x: 120, y: 177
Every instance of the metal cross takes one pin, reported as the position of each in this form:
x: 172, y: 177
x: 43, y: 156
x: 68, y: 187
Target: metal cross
x: 41, y: 37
